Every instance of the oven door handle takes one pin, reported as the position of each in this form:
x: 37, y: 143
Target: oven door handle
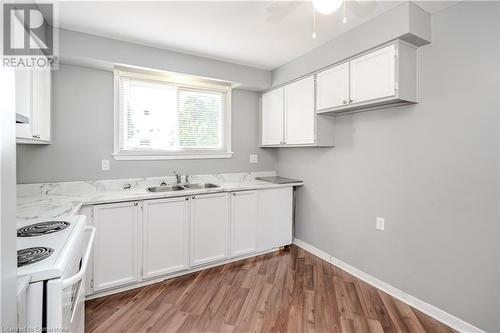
x: 78, y: 276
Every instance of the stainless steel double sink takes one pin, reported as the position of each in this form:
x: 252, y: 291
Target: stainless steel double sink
x: 176, y: 187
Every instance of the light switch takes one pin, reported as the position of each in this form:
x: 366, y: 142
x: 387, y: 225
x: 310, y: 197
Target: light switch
x: 105, y: 165
x: 380, y: 224
x: 254, y: 158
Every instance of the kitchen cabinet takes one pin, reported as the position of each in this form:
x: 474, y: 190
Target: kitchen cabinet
x: 165, y: 236
x: 273, y: 115
x: 300, y: 114
x: 381, y: 77
x: 274, y: 227
x: 33, y: 99
x: 372, y: 75
x: 289, y: 119
x: 117, y: 250
x: 332, y: 87
x: 145, y: 241
x: 209, y: 228
x: 244, y: 216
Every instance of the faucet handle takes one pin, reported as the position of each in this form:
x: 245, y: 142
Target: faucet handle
x: 178, y: 177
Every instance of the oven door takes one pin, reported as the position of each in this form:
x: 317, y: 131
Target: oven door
x: 66, y: 297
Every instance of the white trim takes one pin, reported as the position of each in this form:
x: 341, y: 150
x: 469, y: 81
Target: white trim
x: 146, y: 157
x: 173, y: 78
x: 430, y: 310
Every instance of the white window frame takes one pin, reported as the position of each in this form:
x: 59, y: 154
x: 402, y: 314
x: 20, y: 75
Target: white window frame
x: 180, y: 80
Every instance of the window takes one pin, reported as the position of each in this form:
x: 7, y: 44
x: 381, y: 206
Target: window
x: 170, y: 116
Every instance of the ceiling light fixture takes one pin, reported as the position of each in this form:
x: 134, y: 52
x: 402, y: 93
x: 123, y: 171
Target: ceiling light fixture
x: 326, y: 6
x: 314, y: 24
x: 344, y: 20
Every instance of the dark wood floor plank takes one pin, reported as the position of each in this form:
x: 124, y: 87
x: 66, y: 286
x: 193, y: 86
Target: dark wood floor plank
x: 285, y: 291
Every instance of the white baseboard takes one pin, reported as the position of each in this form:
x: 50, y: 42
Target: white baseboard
x: 414, y: 302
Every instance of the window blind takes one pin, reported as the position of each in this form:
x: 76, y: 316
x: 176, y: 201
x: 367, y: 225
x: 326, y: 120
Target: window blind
x: 165, y: 117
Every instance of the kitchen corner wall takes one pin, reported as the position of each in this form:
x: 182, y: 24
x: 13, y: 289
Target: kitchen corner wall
x: 430, y: 169
x: 82, y: 135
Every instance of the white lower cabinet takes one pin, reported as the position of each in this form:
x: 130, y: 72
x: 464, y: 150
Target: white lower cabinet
x: 244, y: 216
x: 165, y: 236
x: 274, y: 227
x: 116, y: 247
x: 209, y: 228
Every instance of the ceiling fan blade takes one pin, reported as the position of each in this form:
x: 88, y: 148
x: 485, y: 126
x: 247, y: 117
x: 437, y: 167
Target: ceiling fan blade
x: 278, y: 10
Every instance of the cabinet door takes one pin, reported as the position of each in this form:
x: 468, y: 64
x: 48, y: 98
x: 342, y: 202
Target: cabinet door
x: 209, y: 228
x: 274, y: 228
x: 23, y: 86
x: 332, y: 87
x: 272, y: 117
x: 300, y: 117
x: 117, y: 246
x: 41, y: 104
x: 244, y: 215
x: 373, y: 75
x: 165, y: 236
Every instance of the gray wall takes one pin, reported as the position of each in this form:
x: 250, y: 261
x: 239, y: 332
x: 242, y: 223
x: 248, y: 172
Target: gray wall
x: 86, y: 50
x: 430, y: 169
x: 83, y: 136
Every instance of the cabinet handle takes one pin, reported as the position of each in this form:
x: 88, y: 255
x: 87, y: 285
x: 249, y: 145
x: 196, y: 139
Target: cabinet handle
x: 36, y: 136
x: 136, y: 203
x: 186, y: 199
x: 193, y: 197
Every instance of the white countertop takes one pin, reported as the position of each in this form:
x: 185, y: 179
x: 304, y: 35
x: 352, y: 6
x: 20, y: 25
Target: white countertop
x: 53, y: 200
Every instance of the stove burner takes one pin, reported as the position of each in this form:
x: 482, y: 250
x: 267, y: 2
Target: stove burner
x: 42, y: 228
x: 32, y: 255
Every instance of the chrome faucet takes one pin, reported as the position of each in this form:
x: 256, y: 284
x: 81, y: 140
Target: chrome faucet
x: 187, y: 179
x: 178, y: 177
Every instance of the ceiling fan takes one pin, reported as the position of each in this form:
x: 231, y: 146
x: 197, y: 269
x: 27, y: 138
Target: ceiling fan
x: 278, y: 10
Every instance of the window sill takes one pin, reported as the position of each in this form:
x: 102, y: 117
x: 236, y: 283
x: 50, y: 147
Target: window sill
x: 145, y: 157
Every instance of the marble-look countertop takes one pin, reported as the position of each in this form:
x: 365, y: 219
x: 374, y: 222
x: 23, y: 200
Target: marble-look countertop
x: 55, y: 200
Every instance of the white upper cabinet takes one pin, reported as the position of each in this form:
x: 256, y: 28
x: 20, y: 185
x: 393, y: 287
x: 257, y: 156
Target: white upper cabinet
x: 332, y: 87
x: 41, y: 105
x: 273, y: 109
x: 372, y: 75
x: 165, y: 236
x: 209, y: 228
x: 381, y: 77
x: 300, y: 114
x: 288, y: 117
x: 244, y: 216
x: 33, y: 99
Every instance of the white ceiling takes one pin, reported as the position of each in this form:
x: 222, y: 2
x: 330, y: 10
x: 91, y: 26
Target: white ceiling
x: 262, y: 34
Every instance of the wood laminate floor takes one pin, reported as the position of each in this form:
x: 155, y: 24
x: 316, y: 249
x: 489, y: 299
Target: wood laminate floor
x: 286, y: 291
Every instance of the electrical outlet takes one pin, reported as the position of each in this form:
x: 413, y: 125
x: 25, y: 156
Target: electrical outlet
x: 380, y: 224
x: 254, y: 158
x: 104, y: 165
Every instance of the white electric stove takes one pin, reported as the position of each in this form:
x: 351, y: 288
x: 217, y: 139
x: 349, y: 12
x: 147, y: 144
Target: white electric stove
x: 53, y: 254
